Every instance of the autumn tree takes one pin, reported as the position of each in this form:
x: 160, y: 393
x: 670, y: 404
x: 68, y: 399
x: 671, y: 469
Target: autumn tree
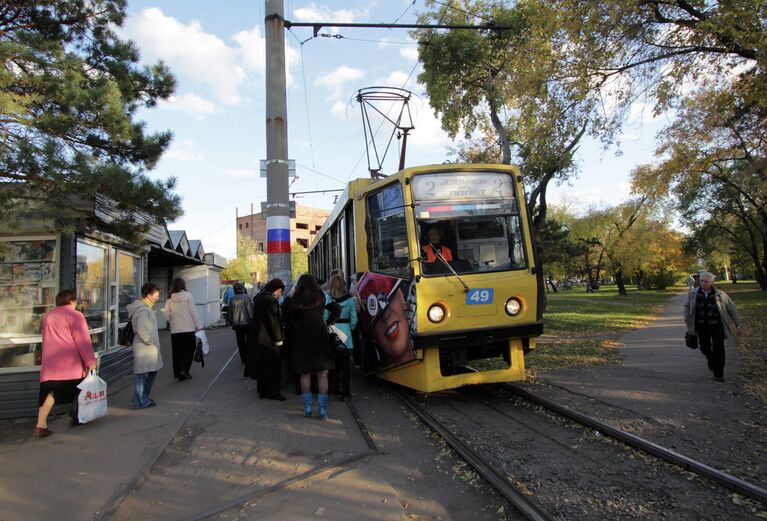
x: 554, y: 244
x: 299, y: 261
x: 618, y: 240
x: 661, y: 49
x: 714, y: 165
x: 69, y: 93
x: 587, y: 231
x: 661, y: 260
x: 499, y: 90
x: 631, y: 241
x: 250, y: 264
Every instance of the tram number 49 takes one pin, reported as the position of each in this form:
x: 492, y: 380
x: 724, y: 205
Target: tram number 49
x: 480, y: 296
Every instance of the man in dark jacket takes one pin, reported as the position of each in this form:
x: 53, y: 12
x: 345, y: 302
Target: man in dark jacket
x: 265, y: 340
x: 239, y: 315
x: 710, y: 314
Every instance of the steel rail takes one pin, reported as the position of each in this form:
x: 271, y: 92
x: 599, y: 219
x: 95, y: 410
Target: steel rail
x: 731, y: 482
x: 521, y: 502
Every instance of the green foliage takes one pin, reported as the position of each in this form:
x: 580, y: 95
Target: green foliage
x: 714, y: 161
x: 299, y: 261
x: 632, y: 239
x: 661, y: 279
x: 69, y: 92
x: 507, y: 87
x: 250, y: 265
x: 641, y: 47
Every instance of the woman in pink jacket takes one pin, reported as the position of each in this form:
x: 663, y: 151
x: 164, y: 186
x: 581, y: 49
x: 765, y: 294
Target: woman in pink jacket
x: 180, y: 311
x: 67, y: 356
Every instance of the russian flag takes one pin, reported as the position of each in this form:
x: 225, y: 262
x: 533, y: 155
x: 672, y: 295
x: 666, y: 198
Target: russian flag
x: 278, y: 234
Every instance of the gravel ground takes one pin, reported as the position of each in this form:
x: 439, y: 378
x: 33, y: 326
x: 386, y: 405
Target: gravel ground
x: 735, y: 446
x: 575, y: 473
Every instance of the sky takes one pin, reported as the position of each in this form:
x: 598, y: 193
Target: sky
x: 217, y: 114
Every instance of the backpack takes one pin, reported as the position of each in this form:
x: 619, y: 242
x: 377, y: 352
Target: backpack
x: 125, y: 334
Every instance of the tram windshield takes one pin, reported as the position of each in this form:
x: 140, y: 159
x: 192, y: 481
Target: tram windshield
x: 469, y: 222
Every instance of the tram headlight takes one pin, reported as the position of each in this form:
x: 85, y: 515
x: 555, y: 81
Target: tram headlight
x: 436, y: 313
x: 513, y: 307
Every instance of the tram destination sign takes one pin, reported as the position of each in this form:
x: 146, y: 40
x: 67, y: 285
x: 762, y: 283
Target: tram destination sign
x: 452, y: 186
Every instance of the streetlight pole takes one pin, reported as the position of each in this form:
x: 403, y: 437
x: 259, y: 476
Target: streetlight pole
x: 277, y: 203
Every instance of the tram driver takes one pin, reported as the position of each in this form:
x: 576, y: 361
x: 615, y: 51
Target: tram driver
x: 434, y: 245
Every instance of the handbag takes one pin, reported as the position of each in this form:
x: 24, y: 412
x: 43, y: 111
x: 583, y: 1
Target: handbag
x: 199, y: 355
x: 691, y: 340
x: 336, y: 344
x: 125, y: 334
x: 92, y: 400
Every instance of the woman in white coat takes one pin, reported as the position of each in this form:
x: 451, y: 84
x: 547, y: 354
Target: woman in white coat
x: 147, y: 359
x: 180, y: 311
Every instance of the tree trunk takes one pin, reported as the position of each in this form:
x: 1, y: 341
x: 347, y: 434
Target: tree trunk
x: 761, y: 277
x: 618, y: 272
x: 641, y: 283
x: 550, y: 283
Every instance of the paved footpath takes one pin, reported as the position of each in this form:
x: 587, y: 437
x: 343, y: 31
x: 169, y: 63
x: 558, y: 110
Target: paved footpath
x: 207, y: 442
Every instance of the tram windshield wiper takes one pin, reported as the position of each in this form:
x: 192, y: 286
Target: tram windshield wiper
x: 438, y: 254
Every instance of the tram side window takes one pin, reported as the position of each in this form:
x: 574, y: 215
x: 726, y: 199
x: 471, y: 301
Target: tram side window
x: 387, y: 233
x: 516, y: 249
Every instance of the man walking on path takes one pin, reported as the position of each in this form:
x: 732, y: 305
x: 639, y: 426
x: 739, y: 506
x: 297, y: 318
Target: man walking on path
x: 711, y: 315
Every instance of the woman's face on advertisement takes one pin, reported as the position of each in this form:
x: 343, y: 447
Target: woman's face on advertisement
x: 391, y: 331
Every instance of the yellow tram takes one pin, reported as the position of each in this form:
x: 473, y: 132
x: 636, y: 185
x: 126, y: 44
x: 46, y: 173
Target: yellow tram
x: 441, y: 261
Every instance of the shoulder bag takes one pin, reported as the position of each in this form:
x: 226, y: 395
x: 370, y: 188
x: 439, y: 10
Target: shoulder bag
x: 336, y: 344
x: 125, y: 334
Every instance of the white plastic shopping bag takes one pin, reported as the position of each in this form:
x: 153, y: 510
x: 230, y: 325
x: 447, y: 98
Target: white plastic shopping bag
x: 203, y: 337
x: 340, y: 334
x: 92, y: 401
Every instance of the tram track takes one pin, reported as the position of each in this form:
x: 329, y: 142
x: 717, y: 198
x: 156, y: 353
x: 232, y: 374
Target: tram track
x: 726, y: 480
x: 450, y: 417
x: 517, y: 497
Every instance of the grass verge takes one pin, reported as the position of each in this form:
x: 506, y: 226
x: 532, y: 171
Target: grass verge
x: 604, y: 310
x: 752, y: 352
x: 581, y: 329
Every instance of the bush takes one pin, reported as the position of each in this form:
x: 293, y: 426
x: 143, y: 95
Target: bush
x: 661, y: 279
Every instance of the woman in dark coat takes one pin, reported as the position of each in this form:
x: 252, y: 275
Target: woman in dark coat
x: 265, y: 340
x: 308, y: 333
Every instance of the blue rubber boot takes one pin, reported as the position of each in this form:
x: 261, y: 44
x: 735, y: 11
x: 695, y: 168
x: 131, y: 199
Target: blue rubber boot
x: 307, y: 404
x: 323, y: 399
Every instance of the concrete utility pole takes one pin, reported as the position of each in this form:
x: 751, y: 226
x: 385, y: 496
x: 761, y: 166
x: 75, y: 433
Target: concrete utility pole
x: 277, y: 203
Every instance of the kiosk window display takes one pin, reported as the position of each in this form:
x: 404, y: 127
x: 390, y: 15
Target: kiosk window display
x: 91, y: 279
x: 108, y: 279
x: 28, y: 285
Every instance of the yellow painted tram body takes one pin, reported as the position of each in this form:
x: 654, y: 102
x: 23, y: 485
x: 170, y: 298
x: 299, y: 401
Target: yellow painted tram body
x: 478, y: 299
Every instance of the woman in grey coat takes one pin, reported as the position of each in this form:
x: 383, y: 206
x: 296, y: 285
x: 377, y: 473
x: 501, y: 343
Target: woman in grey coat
x: 147, y: 359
